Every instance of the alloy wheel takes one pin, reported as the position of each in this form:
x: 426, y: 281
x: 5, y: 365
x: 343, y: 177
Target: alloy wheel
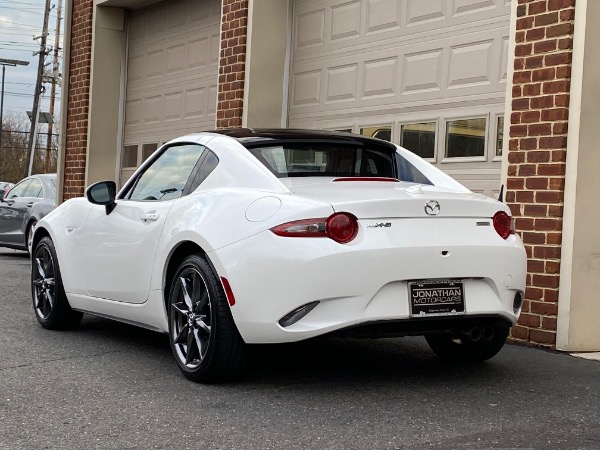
x: 44, y: 292
x: 191, y: 323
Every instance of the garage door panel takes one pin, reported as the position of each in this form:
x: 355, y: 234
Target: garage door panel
x: 383, y: 15
x: 364, y: 64
x: 416, y: 20
x: 310, y: 29
x: 345, y: 20
x: 470, y: 64
x: 380, y: 78
x: 461, y: 7
x: 419, y: 12
x: 422, y: 71
x: 391, y: 77
x: 341, y: 83
x: 172, y: 71
x: 176, y: 61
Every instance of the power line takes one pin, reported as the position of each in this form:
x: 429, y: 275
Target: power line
x: 21, y: 24
x: 15, y: 2
x: 23, y: 10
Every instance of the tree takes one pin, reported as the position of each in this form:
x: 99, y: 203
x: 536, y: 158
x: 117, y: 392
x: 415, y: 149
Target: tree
x: 13, y: 148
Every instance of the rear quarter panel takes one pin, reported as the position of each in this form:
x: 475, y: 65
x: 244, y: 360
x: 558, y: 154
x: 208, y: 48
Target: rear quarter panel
x: 217, y: 218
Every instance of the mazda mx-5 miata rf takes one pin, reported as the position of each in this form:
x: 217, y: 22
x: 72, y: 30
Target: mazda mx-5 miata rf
x: 236, y: 237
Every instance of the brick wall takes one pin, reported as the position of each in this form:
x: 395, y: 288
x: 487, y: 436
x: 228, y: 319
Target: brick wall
x: 78, y: 98
x: 537, y: 154
x: 232, y: 63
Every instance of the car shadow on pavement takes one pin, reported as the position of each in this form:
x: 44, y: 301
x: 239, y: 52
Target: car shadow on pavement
x: 7, y: 253
x: 346, y: 360
x: 325, y: 360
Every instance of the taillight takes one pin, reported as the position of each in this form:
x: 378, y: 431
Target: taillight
x: 503, y: 224
x: 341, y: 227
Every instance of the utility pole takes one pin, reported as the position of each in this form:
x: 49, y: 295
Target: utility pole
x: 35, y: 113
x: 54, y: 82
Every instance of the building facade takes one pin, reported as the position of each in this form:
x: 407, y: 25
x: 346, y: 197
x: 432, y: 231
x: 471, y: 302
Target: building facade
x: 490, y: 91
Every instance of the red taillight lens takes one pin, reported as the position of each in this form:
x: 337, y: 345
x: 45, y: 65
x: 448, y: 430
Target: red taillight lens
x: 503, y: 224
x: 302, y: 228
x: 341, y: 227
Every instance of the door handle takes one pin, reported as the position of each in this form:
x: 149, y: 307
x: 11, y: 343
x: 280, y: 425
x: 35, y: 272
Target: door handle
x: 150, y: 217
x: 30, y: 204
x: 9, y: 202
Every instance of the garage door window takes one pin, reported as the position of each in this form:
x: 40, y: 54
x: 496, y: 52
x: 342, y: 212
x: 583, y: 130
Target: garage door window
x: 465, y: 137
x: 380, y: 132
x: 147, y: 150
x: 130, y: 156
x: 419, y: 138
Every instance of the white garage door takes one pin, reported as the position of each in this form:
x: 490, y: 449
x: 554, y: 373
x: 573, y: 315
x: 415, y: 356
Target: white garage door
x: 427, y: 74
x: 172, y: 75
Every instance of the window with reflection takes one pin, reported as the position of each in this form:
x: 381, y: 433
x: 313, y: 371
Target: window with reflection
x: 500, y: 136
x: 19, y: 189
x: 419, y: 138
x: 465, y: 137
x: 35, y: 189
x: 166, y: 178
x: 147, y: 150
x: 341, y: 129
x: 383, y: 132
x: 130, y: 156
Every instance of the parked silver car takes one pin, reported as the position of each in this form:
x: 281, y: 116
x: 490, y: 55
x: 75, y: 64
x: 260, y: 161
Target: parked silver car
x: 21, y: 208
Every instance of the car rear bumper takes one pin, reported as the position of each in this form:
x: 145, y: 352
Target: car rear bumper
x: 358, y: 285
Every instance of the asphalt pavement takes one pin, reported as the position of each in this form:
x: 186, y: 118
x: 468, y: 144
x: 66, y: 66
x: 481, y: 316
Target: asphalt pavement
x: 115, y: 386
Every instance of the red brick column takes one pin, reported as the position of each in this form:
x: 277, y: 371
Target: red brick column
x: 232, y: 63
x: 78, y: 98
x: 537, y: 154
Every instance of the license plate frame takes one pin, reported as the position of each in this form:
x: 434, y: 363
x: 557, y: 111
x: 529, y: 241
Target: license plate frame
x: 430, y: 298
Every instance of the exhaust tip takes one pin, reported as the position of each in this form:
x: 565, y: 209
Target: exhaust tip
x: 475, y: 334
x: 518, y: 302
x: 295, y: 315
x: 488, y: 333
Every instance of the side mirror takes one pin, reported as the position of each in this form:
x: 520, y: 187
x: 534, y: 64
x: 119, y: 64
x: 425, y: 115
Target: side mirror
x: 103, y: 193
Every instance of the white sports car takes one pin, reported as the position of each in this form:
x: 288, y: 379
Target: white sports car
x: 235, y: 237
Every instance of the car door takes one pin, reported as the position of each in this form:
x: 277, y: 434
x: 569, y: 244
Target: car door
x: 12, y: 211
x: 119, y: 248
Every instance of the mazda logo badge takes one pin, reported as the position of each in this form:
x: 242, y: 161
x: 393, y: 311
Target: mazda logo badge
x: 432, y: 208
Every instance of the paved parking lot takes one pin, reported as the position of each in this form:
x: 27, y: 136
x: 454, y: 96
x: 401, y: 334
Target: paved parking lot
x: 108, y: 385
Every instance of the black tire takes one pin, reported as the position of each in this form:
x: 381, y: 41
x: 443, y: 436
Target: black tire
x: 50, y: 303
x: 462, y: 348
x: 205, y: 341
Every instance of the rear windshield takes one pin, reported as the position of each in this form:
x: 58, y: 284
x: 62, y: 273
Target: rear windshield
x: 326, y: 160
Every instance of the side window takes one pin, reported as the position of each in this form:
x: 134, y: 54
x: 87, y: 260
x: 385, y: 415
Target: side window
x: 207, y: 166
x: 34, y: 189
x: 166, y: 178
x: 408, y: 172
x: 19, y: 189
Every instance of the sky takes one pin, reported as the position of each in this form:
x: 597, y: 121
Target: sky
x: 20, y: 21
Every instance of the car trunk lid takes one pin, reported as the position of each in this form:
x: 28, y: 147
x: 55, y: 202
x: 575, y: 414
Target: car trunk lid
x: 370, y: 199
